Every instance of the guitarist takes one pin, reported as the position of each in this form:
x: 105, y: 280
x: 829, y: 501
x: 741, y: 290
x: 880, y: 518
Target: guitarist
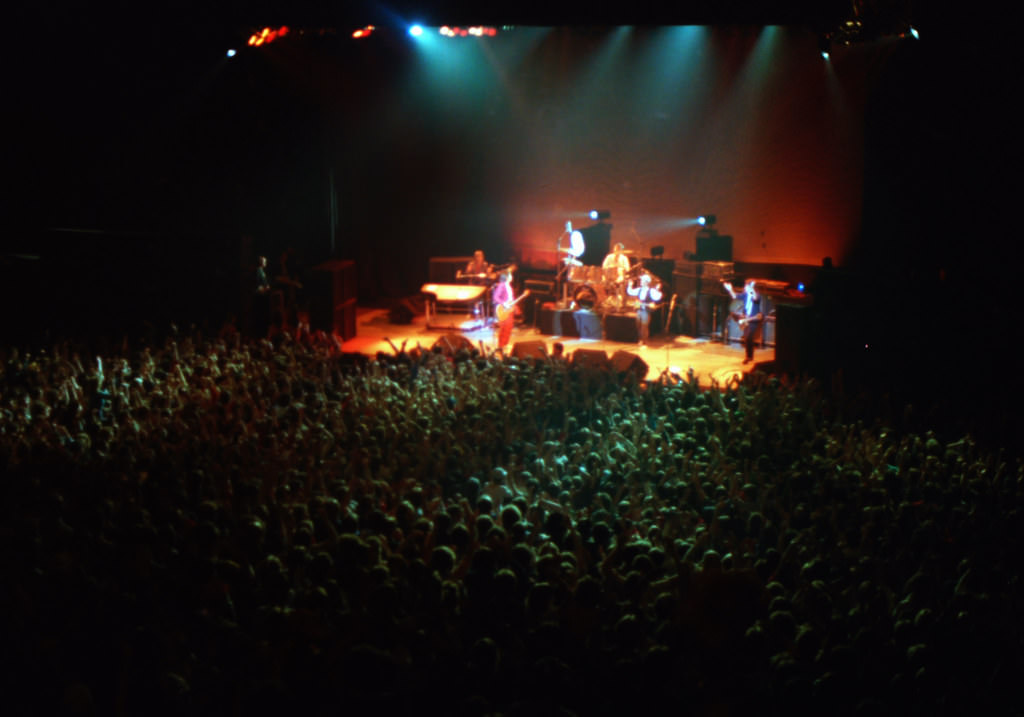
x: 750, y: 318
x: 504, y: 298
x: 647, y: 295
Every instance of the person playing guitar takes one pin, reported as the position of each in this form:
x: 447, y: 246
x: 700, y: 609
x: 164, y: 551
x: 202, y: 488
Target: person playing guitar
x: 504, y: 298
x: 750, y: 318
x: 647, y: 294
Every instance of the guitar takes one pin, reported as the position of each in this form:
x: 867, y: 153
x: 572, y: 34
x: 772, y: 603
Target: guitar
x: 744, y: 320
x: 671, y: 313
x: 503, y: 311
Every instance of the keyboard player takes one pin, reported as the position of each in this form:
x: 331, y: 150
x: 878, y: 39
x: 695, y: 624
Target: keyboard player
x: 478, y: 271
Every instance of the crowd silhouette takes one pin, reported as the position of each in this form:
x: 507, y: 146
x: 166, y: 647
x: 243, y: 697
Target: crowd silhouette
x: 223, y: 525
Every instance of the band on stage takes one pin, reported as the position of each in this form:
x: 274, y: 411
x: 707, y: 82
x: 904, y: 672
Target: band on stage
x: 620, y: 285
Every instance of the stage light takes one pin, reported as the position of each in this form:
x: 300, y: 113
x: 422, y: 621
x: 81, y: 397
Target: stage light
x: 416, y: 30
x: 914, y: 34
x: 231, y: 53
x: 266, y: 36
x: 363, y: 32
x: 597, y: 214
x: 707, y: 220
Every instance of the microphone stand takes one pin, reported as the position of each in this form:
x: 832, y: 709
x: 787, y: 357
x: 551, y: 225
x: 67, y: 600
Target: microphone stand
x: 560, y: 274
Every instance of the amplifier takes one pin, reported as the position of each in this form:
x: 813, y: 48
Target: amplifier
x: 720, y: 270
x: 537, y: 286
x: 712, y: 270
x: 443, y: 269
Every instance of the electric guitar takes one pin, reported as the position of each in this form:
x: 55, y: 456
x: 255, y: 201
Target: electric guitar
x: 744, y: 320
x: 503, y: 311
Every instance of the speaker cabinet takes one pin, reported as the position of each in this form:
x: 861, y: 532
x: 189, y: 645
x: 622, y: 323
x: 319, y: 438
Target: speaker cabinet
x: 443, y: 269
x: 712, y: 246
x: 529, y: 349
x: 661, y: 268
x: 332, y: 298
x: 552, y: 322
x: 625, y: 362
x: 588, y: 324
x: 590, y: 358
x: 622, y: 327
x: 532, y: 306
x: 452, y: 343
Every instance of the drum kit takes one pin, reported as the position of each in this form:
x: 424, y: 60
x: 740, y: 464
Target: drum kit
x: 598, y: 289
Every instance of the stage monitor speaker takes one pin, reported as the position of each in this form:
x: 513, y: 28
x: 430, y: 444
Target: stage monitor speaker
x: 625, y: 362
x: 452, y: 343
x: 529, y: 349
x: 405, y: 310
x: 590, y: 358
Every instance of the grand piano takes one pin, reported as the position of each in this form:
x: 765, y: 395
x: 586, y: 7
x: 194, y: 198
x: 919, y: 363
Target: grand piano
x: 453, y: 299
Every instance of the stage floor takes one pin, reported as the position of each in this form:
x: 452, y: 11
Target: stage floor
x: 710, y: 361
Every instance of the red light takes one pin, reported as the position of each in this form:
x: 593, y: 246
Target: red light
x: 266, y: 35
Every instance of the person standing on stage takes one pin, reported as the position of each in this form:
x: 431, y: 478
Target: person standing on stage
x: 750, y: 318
x: 647, y: 294
x: 503, y: 296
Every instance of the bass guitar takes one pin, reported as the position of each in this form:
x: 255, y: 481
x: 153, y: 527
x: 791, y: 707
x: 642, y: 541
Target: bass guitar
x: 503, y: 311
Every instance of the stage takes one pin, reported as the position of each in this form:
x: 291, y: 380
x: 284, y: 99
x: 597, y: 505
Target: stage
x: 710, y: 361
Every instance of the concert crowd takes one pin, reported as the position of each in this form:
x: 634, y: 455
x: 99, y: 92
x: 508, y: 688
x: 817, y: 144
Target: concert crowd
x: 227, y: 526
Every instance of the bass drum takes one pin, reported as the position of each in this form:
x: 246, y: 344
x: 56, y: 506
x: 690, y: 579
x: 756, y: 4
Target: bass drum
x: 589, y: 296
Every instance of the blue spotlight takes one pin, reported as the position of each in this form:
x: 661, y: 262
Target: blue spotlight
x: 596, y: 214
x: 231, y: 53
x: 416, y: 30
x: 914, y: 34
x: 707, y: 220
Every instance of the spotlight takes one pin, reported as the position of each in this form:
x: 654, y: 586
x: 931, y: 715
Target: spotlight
x: 597, y: 214
x: 231, y: 53
x: 707, y: 220
x: 416, y: 30
x: 914, y: 34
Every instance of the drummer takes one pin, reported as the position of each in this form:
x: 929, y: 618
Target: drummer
x: 616, y: 264
x: 616, y: 270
